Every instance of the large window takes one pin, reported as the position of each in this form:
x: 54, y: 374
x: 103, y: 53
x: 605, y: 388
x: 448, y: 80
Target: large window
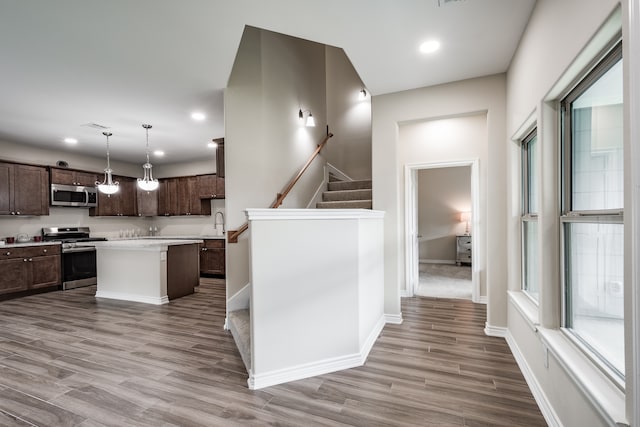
x: 592, y: 210
x: 530, y: 216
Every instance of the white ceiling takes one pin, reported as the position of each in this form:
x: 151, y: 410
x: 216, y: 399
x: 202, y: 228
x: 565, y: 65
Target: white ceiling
x: 121, y: 63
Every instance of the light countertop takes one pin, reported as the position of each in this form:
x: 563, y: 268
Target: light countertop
x: 158, y: 244
x: 189, y: 237
x: 26, y: 244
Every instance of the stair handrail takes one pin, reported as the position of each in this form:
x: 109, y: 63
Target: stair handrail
x: 234, y: 234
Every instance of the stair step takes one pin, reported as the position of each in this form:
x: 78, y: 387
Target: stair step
x: 240, y: 327
x: 332, y: 196
x: 346, y: 204
x: 333, y: 178
x: 350, y: 185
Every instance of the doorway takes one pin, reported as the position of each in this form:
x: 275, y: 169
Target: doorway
x: 441, y: 215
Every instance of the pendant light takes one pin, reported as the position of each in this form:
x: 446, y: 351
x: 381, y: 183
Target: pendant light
x: 108, y: 187
x: 147, y: 183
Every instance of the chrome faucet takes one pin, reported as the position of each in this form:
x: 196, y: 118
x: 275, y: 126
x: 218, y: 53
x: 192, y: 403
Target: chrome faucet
x: 216, y: 220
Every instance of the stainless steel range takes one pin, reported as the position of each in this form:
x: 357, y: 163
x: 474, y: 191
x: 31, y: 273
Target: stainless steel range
x: 78, y: 256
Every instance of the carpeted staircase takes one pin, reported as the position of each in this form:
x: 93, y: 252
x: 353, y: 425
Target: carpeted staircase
x: 346, y: 195
x: 240, y: 327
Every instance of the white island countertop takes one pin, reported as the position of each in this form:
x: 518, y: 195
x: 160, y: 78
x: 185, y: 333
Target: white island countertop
x: 152, y: 271
x: 154, y: 244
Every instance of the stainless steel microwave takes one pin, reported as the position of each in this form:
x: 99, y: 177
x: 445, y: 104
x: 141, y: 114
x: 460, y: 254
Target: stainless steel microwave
x: 72, y: 195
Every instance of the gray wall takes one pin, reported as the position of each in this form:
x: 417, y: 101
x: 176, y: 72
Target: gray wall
x: 443, y: 193
x: 349, y: 118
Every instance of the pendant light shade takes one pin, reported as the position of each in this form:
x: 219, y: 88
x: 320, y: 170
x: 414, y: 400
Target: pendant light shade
x: 108, y: 186
x: 147, y: 183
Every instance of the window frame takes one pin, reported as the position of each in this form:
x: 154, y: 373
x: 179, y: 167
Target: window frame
x: 526, y: 169
x: 569, y: 216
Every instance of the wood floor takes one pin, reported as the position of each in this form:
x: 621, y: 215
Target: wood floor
x: 67, y: 359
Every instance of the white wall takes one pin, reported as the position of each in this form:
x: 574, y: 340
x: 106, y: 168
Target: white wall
x: 390, y: 115
x: 554, y: 50
x: 349, y: 118
x: 443, y: 193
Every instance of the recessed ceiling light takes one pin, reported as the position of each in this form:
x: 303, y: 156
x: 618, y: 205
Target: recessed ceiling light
x: 158, y: 153
x: 71, y: 140
x: 212, y: 145
x: 430, y: 46
x: 198, y: 116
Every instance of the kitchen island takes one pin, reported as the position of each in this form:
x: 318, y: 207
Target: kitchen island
x: 152, y: 271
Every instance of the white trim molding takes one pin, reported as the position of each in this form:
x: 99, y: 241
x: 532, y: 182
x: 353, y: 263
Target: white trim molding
x: 631, y: 46
x: 393, y: 319
x: 410, y: 214
x: 541, y: 398
x: 319, y: 367
x: 603, y: 395
x: 240, y: 300
x: 133, y: 297
x: 495, y: 331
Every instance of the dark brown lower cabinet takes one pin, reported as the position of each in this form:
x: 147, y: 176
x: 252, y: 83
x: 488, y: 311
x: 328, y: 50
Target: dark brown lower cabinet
x: 29, y: 267
x: 182, y: 270
x: 212, y: 257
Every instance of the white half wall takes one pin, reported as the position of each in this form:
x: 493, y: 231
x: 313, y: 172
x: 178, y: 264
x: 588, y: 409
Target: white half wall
x: 317, y: 292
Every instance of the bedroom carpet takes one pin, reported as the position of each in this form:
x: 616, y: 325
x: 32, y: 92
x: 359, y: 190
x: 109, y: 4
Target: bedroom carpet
x: 444, y: 281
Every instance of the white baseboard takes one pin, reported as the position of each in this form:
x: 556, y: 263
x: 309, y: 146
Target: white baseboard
x: 495, y: 331
x: 482, y: 300
x: 317, y: 196
x: 320, y: 367
x: 337, y: 173
x: 131, y: 297
x: 394, y: 319
x: 548, y: 413
x: 437, y: 261
x: 258, y: 381
x: 240, y: 300
x: 371, y: 339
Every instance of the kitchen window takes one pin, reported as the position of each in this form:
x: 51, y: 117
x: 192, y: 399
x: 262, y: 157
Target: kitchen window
x: 529, y: 220
x: 592, y: 214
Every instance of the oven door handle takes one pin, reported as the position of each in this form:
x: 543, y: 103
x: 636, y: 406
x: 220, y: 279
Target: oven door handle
x: 79, y: 249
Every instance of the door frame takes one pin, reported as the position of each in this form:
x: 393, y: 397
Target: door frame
x: 411, y: 220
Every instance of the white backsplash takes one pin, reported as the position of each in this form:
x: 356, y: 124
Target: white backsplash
x: 111, y: 227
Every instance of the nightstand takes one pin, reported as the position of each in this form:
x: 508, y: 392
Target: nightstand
x: 463, y: 250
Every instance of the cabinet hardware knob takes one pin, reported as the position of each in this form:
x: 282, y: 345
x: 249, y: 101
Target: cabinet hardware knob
x: 44, y: 250
x: 17, y: 213
x: 8, y: 253
x: 30, y: 259
x: 24, y: 260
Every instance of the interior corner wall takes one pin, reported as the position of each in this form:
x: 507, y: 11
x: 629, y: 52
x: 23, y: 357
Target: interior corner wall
x: 443, y: 193
x: 349, y: 118
x: 549, y: 46
x: 273, y: 76
x: 468, y: 97
x: 452, y: 139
